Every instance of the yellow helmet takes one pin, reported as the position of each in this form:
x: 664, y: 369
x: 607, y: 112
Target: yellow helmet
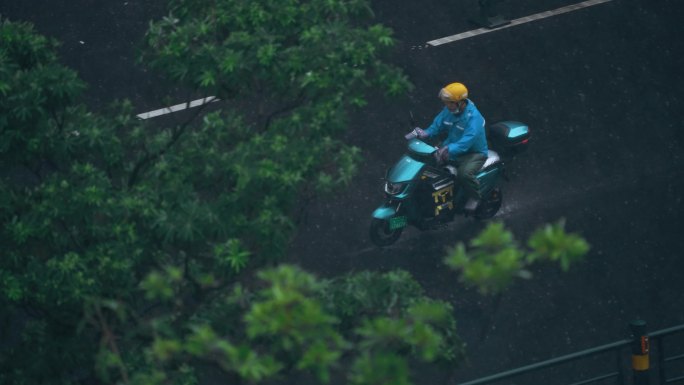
x: 453, y: 92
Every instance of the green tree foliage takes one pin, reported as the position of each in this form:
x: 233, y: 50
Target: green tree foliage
x: 494, y: 259
x: 281, y: 52
x: 36, y: 94
x: 290, y: 325
x: 122, y: 238
x: 140, y: 253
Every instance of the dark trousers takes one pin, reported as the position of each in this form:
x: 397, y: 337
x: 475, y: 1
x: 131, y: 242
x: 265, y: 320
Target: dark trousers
x: 468, y: 166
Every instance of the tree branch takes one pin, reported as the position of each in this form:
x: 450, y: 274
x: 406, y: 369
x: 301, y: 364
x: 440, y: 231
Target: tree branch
x: 289, y: 107
x: 71, y: 235
x: 60, y: 122
x: 110, y: 340
x: 177, y: 133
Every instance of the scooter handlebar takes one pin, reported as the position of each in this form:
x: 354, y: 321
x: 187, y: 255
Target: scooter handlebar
x: 416, y: 133
x: 411, y: 135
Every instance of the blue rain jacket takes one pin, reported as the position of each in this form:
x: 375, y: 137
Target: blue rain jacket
x: 466, y: 131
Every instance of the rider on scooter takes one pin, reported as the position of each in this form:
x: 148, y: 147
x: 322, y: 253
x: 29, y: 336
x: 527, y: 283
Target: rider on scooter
x: 466, y: 144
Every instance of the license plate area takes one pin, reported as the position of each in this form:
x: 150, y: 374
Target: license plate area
x: 397, y: 222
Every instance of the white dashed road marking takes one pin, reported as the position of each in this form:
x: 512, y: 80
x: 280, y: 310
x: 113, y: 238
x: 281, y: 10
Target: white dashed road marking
x: 513, y: 23
x: 178, y: 107
x: 434, y: 43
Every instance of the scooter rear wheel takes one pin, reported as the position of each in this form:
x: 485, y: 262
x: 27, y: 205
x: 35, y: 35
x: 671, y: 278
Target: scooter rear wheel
x: 490, y: 205
x: 381, y: 234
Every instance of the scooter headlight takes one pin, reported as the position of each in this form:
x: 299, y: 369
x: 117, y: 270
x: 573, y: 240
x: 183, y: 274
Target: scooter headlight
x: 395, y: 188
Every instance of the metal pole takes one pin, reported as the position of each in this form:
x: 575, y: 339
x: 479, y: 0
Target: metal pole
x: 620, y: 379
x: 640, y: 350
x: 488, y: 18
x: 661, y: 361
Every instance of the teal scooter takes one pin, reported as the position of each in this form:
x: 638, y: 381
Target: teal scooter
x: 421, y: 193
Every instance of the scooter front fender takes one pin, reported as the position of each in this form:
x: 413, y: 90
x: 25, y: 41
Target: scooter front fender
x: 385, y: 212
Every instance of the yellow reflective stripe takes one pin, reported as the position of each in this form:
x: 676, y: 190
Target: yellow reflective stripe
x: 640, y: 362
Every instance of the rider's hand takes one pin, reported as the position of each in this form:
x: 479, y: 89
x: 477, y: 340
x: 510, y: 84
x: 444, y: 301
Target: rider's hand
x: 442, y: 155
x: 416, y: 133
x: 420, y: 133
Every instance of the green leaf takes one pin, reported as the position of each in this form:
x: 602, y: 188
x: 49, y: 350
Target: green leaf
x: 553, y: 243
x: 207, y: 78
x: 384, y: 368
x: 156, y: 286
x: 232, y: 254
x: 10, y: 287
x: 165, y: 349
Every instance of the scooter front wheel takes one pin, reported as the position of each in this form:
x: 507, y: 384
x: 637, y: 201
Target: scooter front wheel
x: 381, y: 234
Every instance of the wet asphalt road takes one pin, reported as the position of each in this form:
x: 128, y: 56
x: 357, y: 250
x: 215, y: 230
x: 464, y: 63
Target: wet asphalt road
x: 600, y: 89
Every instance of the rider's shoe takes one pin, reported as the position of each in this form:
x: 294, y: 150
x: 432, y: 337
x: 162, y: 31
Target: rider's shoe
x: 471, y: 205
